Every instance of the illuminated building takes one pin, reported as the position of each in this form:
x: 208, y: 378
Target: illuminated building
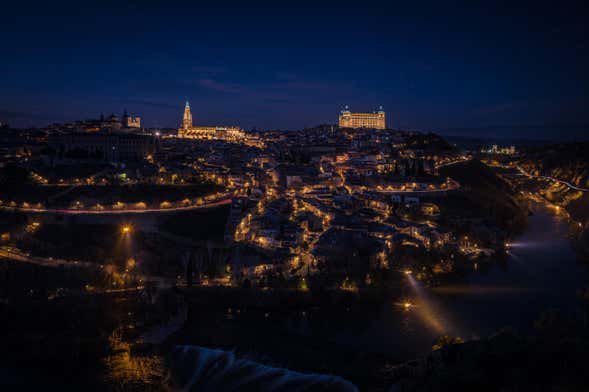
x: 110, y: 124
x: 374, y: 120
x: 131, y: 121
x: 495, y: 149
x: 187, y: 119
x: 210, y: 133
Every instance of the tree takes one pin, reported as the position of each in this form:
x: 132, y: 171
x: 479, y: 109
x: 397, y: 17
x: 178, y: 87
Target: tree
x: 446, y: 340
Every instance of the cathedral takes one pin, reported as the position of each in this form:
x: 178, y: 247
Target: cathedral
x: 188, y: 131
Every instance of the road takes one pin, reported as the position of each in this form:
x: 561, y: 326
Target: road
x: 74, y: 186
x: 461, y: 160
x: 226, y: 200
x: 576, y: 188
x: 18, y: 255
x: 453, y: 186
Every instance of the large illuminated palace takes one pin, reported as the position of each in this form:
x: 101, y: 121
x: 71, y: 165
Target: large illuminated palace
x: 374, y: 120
x: 188, y: 131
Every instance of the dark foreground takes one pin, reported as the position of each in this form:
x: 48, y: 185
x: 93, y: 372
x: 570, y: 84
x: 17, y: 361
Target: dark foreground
x: 130, y: 342
x: 210, y: 338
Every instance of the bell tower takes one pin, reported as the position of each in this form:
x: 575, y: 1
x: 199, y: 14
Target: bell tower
x: 187, y: 119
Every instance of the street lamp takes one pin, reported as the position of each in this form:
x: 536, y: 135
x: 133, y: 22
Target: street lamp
x: 126, y: 229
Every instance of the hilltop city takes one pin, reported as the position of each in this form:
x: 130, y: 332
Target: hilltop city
x: 276, y: 197
x: 302, y: 204
x: 125, y: 229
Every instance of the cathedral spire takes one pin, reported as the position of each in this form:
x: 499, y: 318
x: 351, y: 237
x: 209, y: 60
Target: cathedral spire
x: 187, y: 119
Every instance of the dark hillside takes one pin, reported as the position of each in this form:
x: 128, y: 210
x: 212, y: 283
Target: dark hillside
x: 484, y: 195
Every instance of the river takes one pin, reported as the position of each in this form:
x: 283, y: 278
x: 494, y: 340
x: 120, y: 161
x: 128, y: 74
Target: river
x: 541, y: 272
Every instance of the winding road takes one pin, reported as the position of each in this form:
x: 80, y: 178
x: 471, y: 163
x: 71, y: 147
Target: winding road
x: 224, y: 201
x: 23, y: 257
x: 574, y: 187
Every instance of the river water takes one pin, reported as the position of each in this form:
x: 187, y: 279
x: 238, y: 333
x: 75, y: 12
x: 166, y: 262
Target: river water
x: 541, y: 272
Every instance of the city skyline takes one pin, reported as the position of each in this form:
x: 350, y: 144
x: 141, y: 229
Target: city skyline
x: 428, y: 76
x: 294, y: 197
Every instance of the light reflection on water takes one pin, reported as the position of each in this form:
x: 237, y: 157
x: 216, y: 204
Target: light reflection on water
x: 530, y: 244
x: 477, y: 290
x: 430, y: 312
x: 128, y: 371
x: 541, y: 272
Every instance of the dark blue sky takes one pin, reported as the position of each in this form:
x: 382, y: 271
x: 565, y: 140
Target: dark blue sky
x: 453, y: 67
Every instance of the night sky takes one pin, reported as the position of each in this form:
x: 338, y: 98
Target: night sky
x: 461, y: 69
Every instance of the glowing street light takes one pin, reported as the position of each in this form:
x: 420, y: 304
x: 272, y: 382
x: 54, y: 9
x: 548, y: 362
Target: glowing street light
x: 126, y: 229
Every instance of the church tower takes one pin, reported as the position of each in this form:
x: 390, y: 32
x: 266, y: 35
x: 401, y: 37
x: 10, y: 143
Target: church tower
x: 187, y: 119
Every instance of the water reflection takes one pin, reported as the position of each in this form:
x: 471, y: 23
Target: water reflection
x: 540, y: 272
x: 529, y: 244
x: 428, y: 311
x: 132, y: 371
x: 477, y: 290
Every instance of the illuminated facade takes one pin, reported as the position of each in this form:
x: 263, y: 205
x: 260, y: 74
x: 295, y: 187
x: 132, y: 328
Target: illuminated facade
x: 212, y: 133
x: 209, y: 133
x: 131, y: 121
x: 187, y: 119
x: 374, y: 120
x: 495, y: 149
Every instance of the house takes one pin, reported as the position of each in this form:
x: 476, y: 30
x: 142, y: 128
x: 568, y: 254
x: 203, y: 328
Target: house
x: 430, y: 209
